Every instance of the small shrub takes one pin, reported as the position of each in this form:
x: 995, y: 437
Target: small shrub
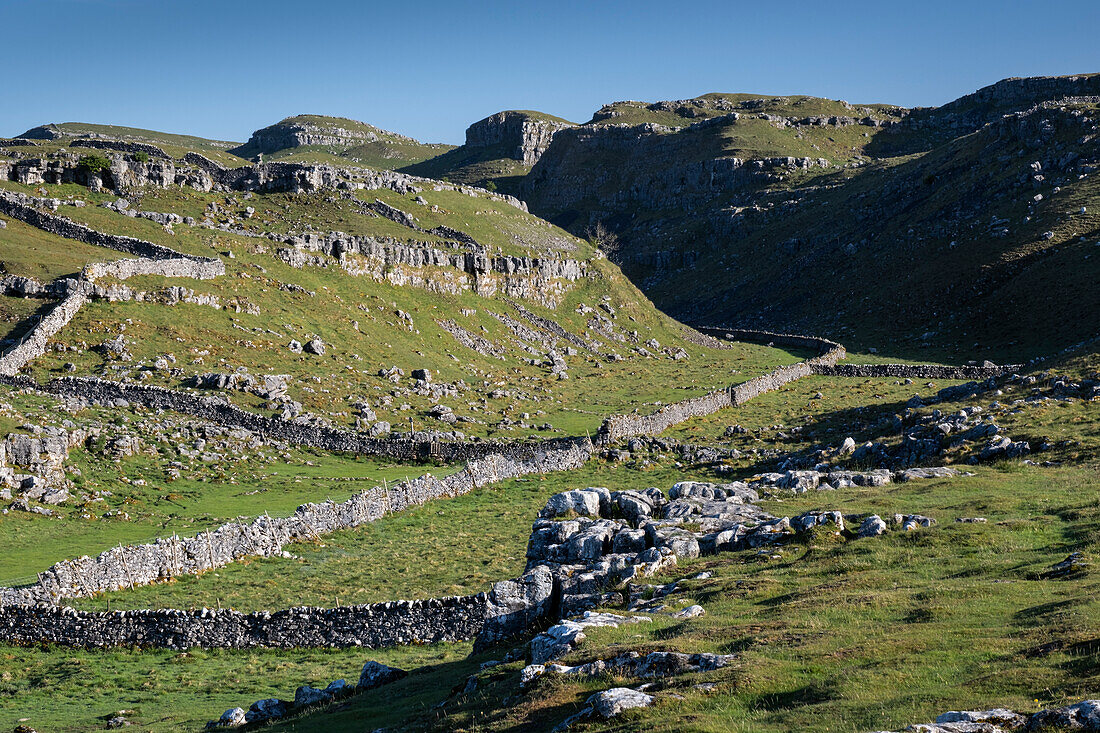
x: 94, y: 164
x: 491, y: 186
x: 141, y: 156
x: 603, y: 238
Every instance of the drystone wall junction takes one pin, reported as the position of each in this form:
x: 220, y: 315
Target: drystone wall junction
x: 22, y: 207
x: 152, y: 259
x: 135, y: 565
x: 35, y: 343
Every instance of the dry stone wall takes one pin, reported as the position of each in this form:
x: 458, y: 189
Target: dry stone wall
x: 619, y: 427
x: 35, y: 342
x: 377, y: 625
x: 218, y: 411
x: 915, y: 371
x: 197, y: 268
x: 21, y: 207
x: 153, y: 260
x: 135, y: 565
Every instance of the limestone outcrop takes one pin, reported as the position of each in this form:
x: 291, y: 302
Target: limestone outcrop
x: 525, y: 136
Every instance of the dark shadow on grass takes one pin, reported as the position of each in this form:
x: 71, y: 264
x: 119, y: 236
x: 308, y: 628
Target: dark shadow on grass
x: 1047, y: 609
x: 25, y: 325
x: 811, y: 694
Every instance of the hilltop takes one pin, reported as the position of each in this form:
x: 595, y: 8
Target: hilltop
x: 316, y: 138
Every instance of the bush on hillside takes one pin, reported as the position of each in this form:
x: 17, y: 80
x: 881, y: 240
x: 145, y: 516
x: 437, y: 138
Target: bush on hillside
x: 94, y: 164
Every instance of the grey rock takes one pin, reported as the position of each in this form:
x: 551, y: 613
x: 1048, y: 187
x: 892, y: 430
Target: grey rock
x: 872, y: 526
x: 232, y: 718
x: 376, y: 674
x: 582, y: 502
x: 998, y: 716
x: 378, y: 429
x: 306, y: 695
x: 513, y: 605
x: 612, y: 702
x: 1084, y: 715
x: 267, y: 709
x: 689, y: 612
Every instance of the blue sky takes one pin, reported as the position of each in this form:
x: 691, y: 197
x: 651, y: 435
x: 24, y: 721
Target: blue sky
x: 429, y: 68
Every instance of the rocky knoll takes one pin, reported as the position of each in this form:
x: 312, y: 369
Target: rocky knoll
x: 295, y: 132
x: 588, y: 544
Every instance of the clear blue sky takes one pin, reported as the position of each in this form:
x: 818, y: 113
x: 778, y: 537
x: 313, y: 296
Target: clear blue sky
x: 428, y: 68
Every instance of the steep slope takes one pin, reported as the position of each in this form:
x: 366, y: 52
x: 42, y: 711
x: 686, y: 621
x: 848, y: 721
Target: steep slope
x: 321, y: 139
x: 881, y: 221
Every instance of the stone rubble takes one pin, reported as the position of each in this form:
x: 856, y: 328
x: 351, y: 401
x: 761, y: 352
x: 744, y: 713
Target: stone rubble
x: 374, y: 675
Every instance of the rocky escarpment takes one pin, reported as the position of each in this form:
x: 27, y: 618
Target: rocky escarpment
x: 542, y: 279
x: 972, y: 111
x: 595, y: 173
x: 523, y: 135
x: 969, y: 231
x: 202, y: 174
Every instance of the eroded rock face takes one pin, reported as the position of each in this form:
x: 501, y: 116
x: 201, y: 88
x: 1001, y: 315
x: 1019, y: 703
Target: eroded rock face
x: 513, y: 605
x: 526, y: 137
x: 33, y: 466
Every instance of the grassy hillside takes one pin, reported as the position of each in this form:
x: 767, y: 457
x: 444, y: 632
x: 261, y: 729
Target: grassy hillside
x: 828, y: 633
x: 54, y: 136
x: 983, y: 238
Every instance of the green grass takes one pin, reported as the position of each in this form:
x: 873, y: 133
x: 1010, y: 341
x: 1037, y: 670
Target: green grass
x: 852, y: 636
x: 78, y: 690
x: 174, y: 145
x: 32, y: 252
x: 204, y: 339
x: 832, y: 635
x: 434, y: 550
x: 206, y: 497
x: 845, y: 636
x: 141, y: 500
